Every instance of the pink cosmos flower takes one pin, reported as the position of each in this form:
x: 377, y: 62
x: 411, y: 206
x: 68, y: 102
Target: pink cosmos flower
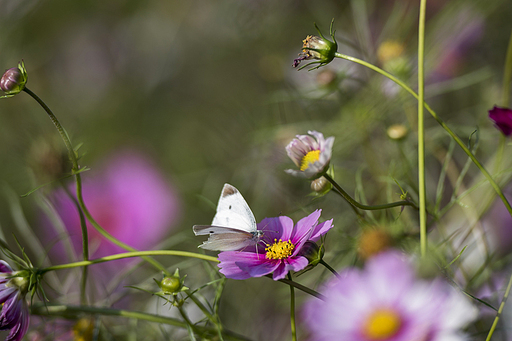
x: 311, y: 155
x: 278, y: 251
x: 14, y: 315
x: 502, y: 118
x: 386, y: 302
x: 129, y: 198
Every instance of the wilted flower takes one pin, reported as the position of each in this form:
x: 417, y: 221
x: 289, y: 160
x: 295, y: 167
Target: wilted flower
x: 279, y: 250
x: 13, y: 80
x: 310, y: 155
x: 502, y: 118
x: 386, y: 302
x: 318, y: 48
x: 14, y: 315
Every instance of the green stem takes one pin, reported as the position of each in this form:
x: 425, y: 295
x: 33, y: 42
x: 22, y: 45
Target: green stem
x: 500, y: 310
x: 421, y: 130
x: 49, y: 309
x: 129, y: 255
x: 441, y: 122
x: 76, y: 167
x: 354, y: 203
x: 507, y: 75
x: 292, y: 310
x: 329, y: 268
x: 79, y: 195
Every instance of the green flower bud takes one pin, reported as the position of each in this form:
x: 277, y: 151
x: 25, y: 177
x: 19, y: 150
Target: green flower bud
x: 318, y: 48
x: 172, y: 285
x: 13, y: 80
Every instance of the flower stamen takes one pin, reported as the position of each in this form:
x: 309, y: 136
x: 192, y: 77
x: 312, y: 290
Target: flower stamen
x: 310, y: 158
x: 279, y: 249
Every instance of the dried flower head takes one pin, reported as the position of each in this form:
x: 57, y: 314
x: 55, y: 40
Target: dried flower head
x: 319, y: 48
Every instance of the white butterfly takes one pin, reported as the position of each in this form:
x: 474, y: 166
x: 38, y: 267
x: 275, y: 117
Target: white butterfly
x: 233, y: 227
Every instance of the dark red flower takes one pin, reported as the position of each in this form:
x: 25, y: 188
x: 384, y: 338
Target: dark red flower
x: 502, y: 118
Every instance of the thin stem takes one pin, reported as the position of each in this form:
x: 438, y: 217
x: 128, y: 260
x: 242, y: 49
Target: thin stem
x: 421, y: 130
x: 500, y: 310
x: 300, y: 287
x: 352, y: 202
x: 79, y: 195
x: 507, y: 75
x: 329, y: 268
x: 292, y: 310
x: 129, y: 255
x: 49, y: 309
x: 441, y: 122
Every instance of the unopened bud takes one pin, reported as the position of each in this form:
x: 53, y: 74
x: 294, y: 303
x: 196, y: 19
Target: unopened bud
x: 321, y: 185
x: 13, y: 80
x: 312, y: 252
x: 172, y: 285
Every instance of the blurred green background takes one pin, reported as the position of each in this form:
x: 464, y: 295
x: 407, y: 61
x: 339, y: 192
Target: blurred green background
x: 207, y: 90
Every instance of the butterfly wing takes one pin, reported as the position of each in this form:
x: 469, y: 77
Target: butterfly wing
x: 224, y: 238
x: 233, y: 211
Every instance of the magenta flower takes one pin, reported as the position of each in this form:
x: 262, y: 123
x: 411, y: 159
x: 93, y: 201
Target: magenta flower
x: 14, y: 315
x: 502, y: 118
x: 311, y: 155
x: 129, y: 198
x: 278, y: 251
x: 386, y: 302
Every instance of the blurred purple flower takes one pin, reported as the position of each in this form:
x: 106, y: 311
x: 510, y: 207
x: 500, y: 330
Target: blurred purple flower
x: 386, y: 302
x: 281, y: 251
x: 14, y: 315
x: 311, y: 155
x: 502, y: 118
x: 129, y: 198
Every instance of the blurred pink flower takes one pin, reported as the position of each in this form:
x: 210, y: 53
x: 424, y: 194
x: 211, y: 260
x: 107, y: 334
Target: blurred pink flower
x: 129, y: 198
x: 386, y: 302
x: 311, y: 155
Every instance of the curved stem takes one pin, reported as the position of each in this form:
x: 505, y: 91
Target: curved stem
x: 421, y: 130
x: 441, y: 122
x: 292, y: 310
x: 500, y: 310
x: 352, y: 202
x: 129, y: 255
x: 79, y: 194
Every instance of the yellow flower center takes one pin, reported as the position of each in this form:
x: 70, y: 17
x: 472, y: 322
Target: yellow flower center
x: 279, y: 249
x: 310, y: 158
x: 83, y: 330
x: 382, y: 324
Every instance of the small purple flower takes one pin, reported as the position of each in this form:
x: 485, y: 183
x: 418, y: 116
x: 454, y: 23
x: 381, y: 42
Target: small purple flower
x: 386, y: 302
x: 279, y: 250
x: 502, y: 118
x: 311, y: 155
x: 14, y: 314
